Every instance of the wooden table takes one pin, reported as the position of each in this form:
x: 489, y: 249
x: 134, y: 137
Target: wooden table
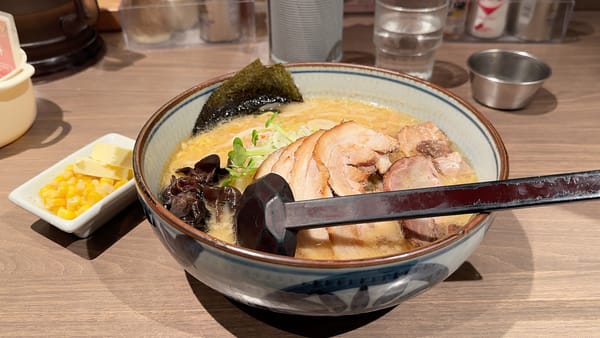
x: 536, y: 273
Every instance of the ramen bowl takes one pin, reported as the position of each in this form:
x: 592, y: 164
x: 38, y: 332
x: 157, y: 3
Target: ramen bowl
x: 320, y: 287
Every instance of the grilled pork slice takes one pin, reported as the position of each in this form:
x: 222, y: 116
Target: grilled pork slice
x: 422, y: 231
x: 367, y: 240
x: 309, y: 181
x: 267, y: 165
x: 411, y: 172
x: 339, y: 161
x: 415, y: 172
x: 351, y: 153
x: 286, y: 161
x: 419, y: 172
x: 453, y: 165
x: 423, y: 139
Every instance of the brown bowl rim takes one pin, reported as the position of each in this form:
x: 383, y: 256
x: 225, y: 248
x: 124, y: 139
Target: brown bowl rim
x: 154, y: 204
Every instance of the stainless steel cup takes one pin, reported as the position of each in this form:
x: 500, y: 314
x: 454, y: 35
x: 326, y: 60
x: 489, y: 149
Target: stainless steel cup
x: 506, y: 79
x: 307, y: 30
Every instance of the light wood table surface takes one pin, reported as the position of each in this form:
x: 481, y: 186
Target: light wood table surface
x: 537, y: 272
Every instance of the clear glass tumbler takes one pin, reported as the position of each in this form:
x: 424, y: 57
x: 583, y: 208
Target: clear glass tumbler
x: 407, y: 34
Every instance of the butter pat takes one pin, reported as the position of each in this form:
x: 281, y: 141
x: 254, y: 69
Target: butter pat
x: 91, y: 167
x: 106, y: 160
x: 112, y: 155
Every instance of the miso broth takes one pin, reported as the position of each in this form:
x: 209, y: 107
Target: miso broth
x: 316, y: 113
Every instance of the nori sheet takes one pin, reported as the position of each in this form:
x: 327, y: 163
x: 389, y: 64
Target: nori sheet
x: 249, y: 89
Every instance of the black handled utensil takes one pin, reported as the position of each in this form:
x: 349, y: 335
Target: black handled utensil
x: 268, y: 217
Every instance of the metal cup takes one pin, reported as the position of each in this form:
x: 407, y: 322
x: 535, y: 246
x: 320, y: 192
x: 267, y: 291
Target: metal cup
x: 506, y: 79
x: 307, y: 30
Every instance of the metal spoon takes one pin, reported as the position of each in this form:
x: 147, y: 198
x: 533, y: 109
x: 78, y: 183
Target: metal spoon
x: 268, y: 218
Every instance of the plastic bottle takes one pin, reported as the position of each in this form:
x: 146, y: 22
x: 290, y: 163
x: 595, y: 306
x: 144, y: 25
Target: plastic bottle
x: 535, y: 19
x: 220, y: 21
x: 488, y: 18
x: 456, y: 20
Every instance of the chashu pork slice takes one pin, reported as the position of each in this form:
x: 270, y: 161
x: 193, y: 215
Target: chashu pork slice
x: 309, y: 181
x: 267, y: 165
x: 286, y: 161
x: 351, y: 153
x: 295, y: 163
x: 411, y: 172
x: 423, y: 138
x: 421, y: 171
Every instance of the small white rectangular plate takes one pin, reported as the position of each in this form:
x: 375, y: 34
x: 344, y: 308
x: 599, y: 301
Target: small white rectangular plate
x: 27, y: 195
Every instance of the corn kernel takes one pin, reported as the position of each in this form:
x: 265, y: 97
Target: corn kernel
x: 93, y: 196
x: 56, y: 202
x: 46, y: 191
x: 106, y: 180
x: 104, y: 188
x: 68, y: 174
x: 70, y: 194
x: 120, y: 183
x: 83, y: 208
x: 80, y: 185
x: 62, y: 187
x: 67, y: 214
x: 71, y: 191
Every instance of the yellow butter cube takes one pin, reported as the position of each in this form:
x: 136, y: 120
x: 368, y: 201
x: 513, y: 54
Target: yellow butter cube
x: 88, y: 166
x: 112, y: 155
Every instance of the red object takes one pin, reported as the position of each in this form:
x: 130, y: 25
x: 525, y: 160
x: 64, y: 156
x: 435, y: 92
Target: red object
x: 7, y: 59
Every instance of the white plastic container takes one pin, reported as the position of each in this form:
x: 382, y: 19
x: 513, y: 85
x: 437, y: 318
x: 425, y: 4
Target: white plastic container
x: 487, y: 18
x: 17, y: 101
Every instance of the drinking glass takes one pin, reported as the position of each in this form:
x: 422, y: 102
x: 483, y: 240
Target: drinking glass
x: 407, y: 34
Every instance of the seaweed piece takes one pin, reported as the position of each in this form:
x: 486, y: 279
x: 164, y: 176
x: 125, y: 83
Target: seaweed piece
x: 249, y: 89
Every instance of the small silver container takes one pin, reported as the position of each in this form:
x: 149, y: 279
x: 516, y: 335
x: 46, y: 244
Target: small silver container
x: 506, y: 79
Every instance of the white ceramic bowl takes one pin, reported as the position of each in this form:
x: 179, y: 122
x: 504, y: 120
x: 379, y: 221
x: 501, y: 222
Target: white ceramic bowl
x: 27, y: 195
x: 17, y: 102
x: 310, y: 287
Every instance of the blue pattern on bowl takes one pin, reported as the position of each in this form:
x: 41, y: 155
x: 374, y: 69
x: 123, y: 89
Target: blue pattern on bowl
x: 312, y: 291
